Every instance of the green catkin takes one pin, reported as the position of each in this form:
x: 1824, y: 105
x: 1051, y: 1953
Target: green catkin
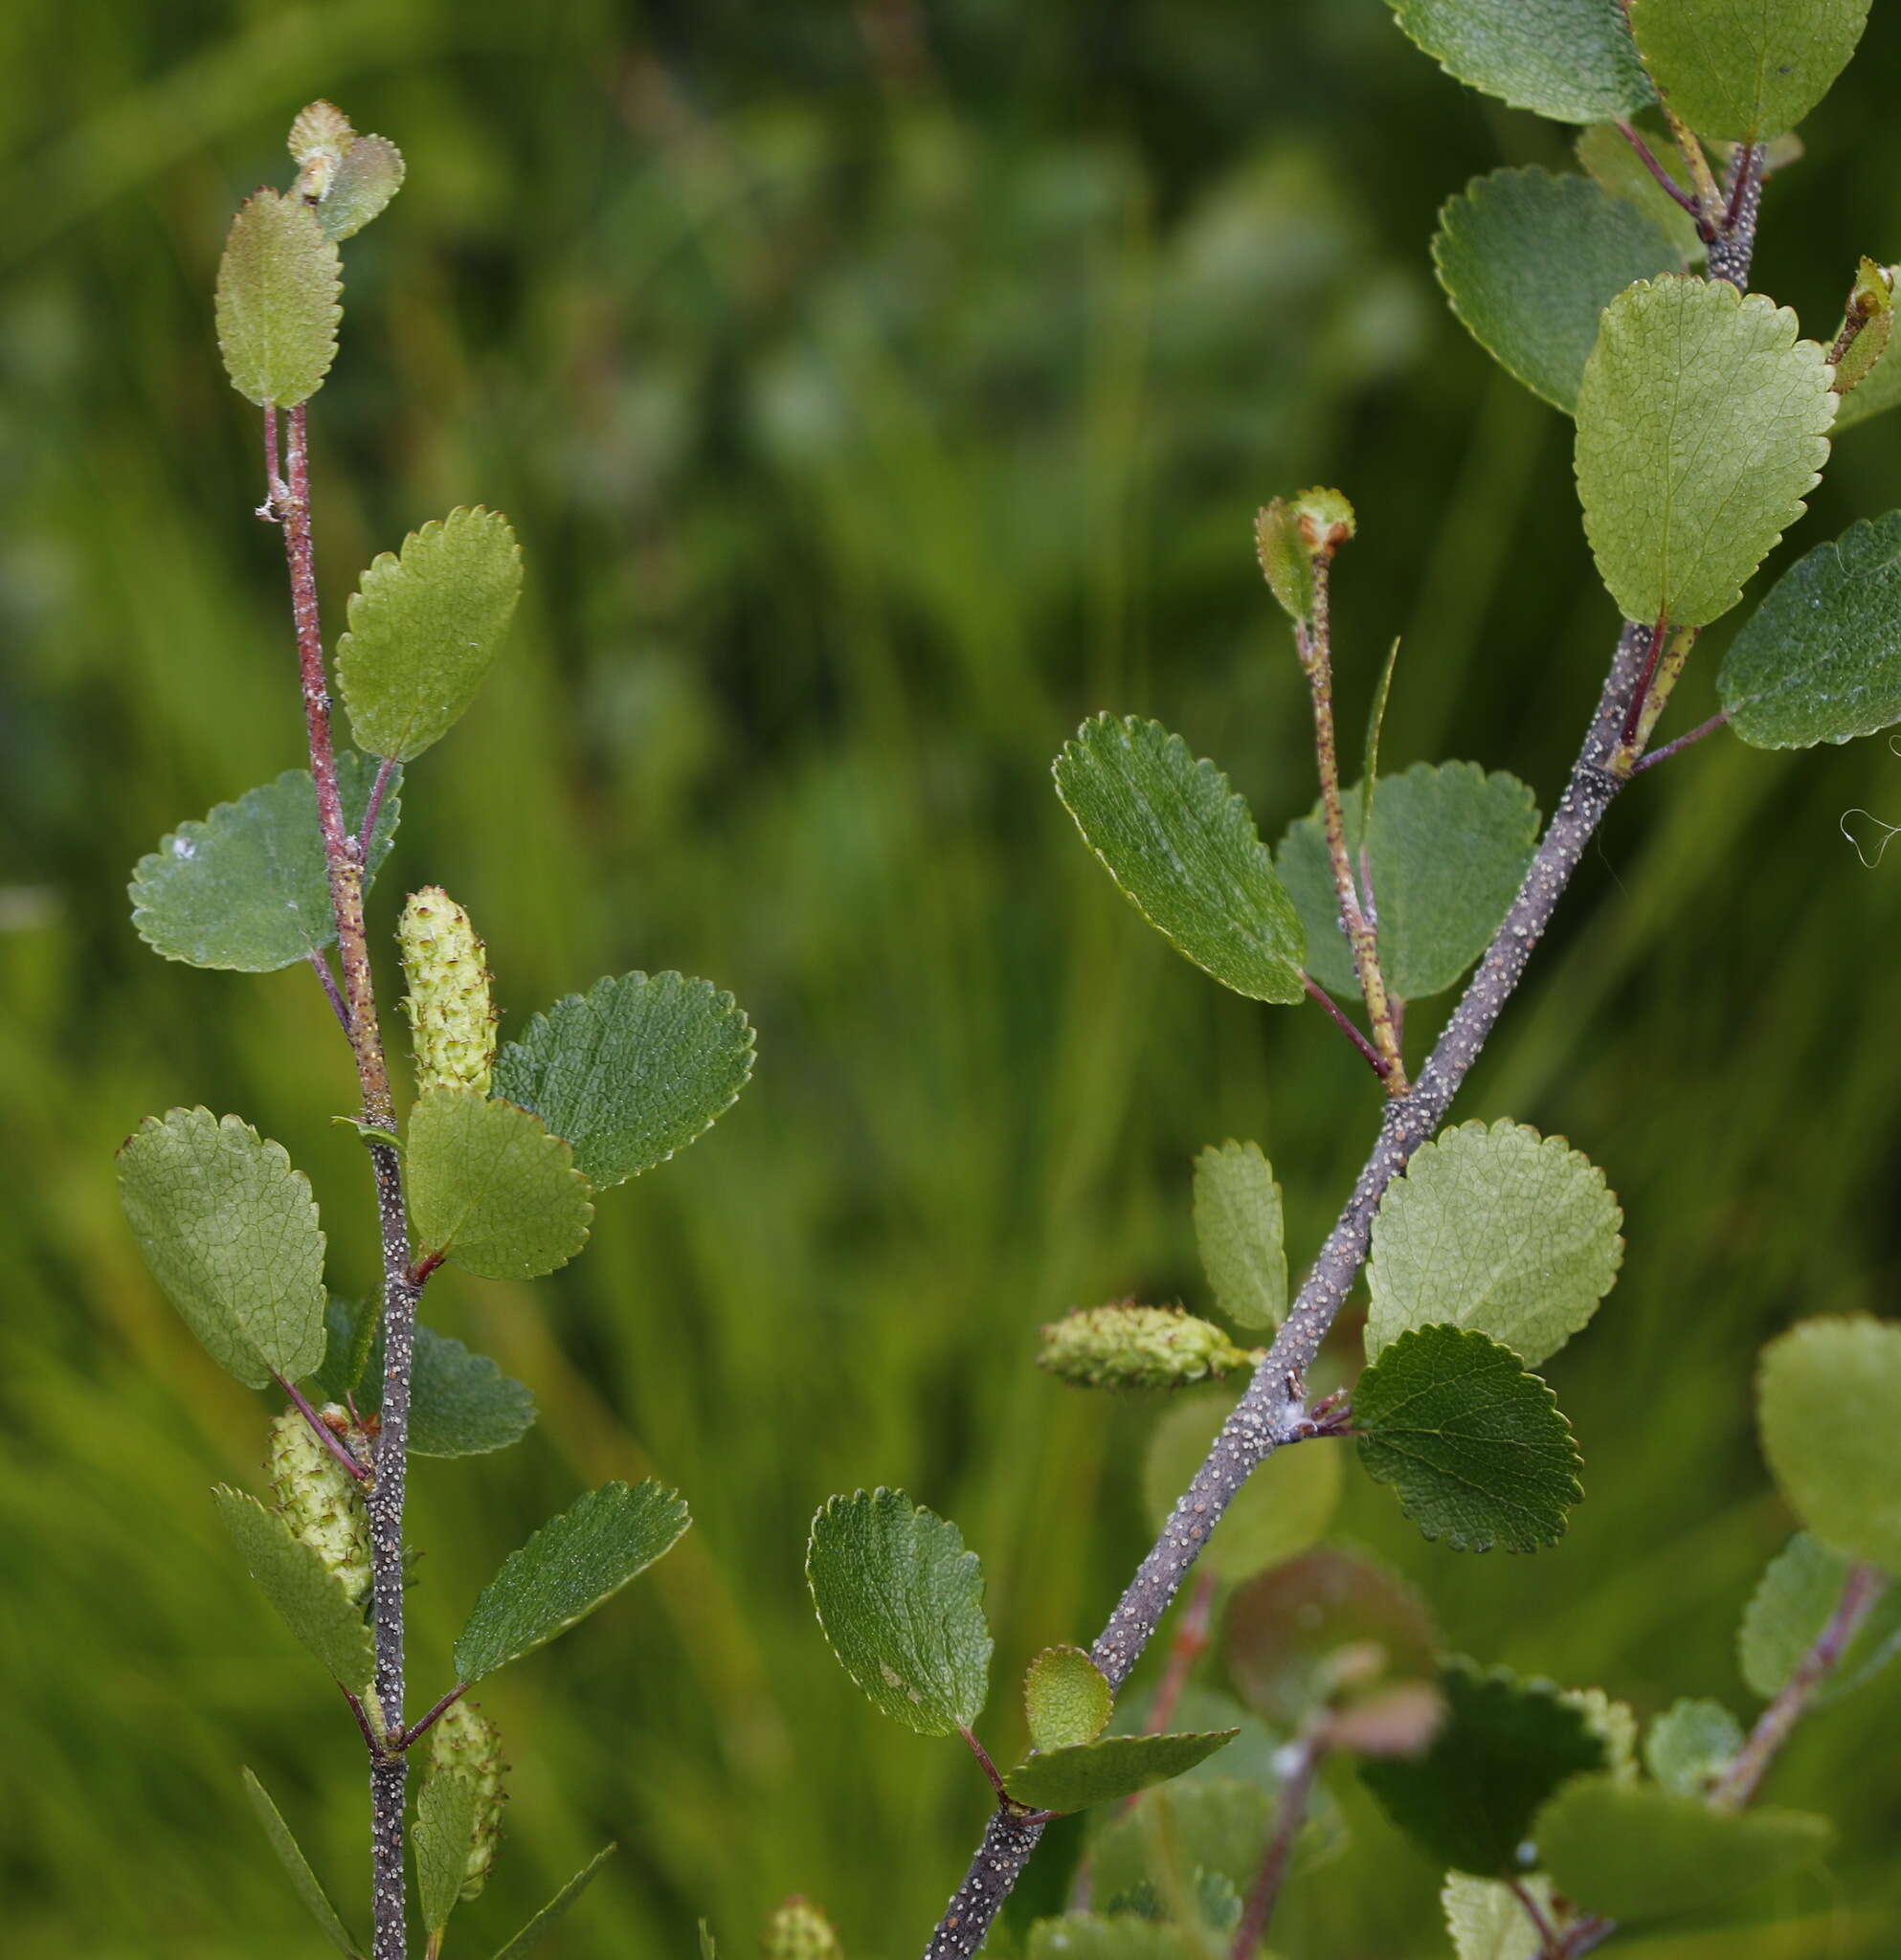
x: 1130, y: 1346
x: 799, y: 1931
x: 451, y: 1019
x: 464, y: 1742
x: 318, y: 1500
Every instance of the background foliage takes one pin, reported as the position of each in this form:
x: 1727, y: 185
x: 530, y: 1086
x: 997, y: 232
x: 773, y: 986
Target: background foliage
x: 875, y: 392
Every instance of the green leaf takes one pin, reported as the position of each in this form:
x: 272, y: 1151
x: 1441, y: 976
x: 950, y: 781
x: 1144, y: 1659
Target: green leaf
x: 1241, y: 1234
x: 248, y: 889
x: 902, y: 1603
x: 1702, y: 424
x: 305, y: 1882
x: 1284, y: 1506
x: 1300, y: 1632
x: 1569, y: 59
x: 1495, y: 1229
x: 1692, y: 1744
x: 1820, y: 659
x: 364, y: 179
x: 1215, y: 1824
x: 279, y: 286
x: 1828, y: 1401
x: 1529, y: 261
x: 295, y: 1579
x: 1746, y: 72
x: 229, y: 1232
x: 1474, y: 1446
x: 1610, y: 159
x: 460, y: 1402
x: 1106, y: 1772
x: 1504, y: 1745
x: 490, y: 1189
x: 546, y: 1920
x: 1486, y: 1920
x: 445, y: 1821
x: 1184, y: 848
x: 1067, y: 1698
x: 1636, y: 1854
x: 424, y: 627
x: 1450, y: 847
x: 1125, y: 1936
x: 1794, y: 1601
x: 1878, y: 391
x: 631, y: 1071
x: 574, y: 1563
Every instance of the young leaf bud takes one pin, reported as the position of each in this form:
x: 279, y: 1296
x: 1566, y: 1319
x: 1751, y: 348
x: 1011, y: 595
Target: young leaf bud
x: 1869, y: 323
x: 451, y: 1019
x: 799, y: 1931
x: 320, y: 138
x: 319, y: 1500
x: 1130, y: 1346
x: 464, y: 1742
x: 1293, y: 539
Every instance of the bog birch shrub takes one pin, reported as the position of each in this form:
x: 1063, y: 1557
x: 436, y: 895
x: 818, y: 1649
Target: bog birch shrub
x: 1704, y: 411
x: 496, y: 1166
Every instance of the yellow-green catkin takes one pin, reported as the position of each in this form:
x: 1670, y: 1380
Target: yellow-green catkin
x: 320, y: 138
x: 799, y: 1931
x: 318, y: 1500
x: 464, y: 1742
x: 1130, y: 1346
x: 451, y: 1019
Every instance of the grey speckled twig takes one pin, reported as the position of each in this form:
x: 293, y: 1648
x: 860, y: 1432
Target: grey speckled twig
x: 1276, y: 1398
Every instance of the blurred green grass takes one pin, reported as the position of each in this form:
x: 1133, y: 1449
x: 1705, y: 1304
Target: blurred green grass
x: 876, y: 391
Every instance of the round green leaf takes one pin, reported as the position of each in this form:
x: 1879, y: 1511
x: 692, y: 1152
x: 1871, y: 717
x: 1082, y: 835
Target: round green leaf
x: 1635, y: 1853
x: 1608, y: 156
x: 1240, y: 1234
x: 1690, y: 1744
x: 1475, y: 1447
x: 1793, y: 1602
x: 1702, y: 424
x: 1486, y: 1920
x: 294, y: 1578
x: 1746, y: 72
x: 279, y: 286
x: 490, y: 1189
x: 424, y: 627
x: 1828, y: 1398
x: 902, y: 1603
x: 460, y: 1402
x: 1504, y: 1746
x: 1569, y: 59
x: 1450, y: 847
x: 1820, y: 659
x: 248, y: 889
x: 1529, y: 261
x: 571, y: 1565
x: 1284, y: 1506
x: 1067, y: 1698
x: 1213, y: 1823
x: 229, y: 1232
x: 1106, y: 1772
x: 1295, y: 1633
x: 631, y: 1071
x: 364, y: 179
x: 1182, y: 845
x: 1497, y: 1229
